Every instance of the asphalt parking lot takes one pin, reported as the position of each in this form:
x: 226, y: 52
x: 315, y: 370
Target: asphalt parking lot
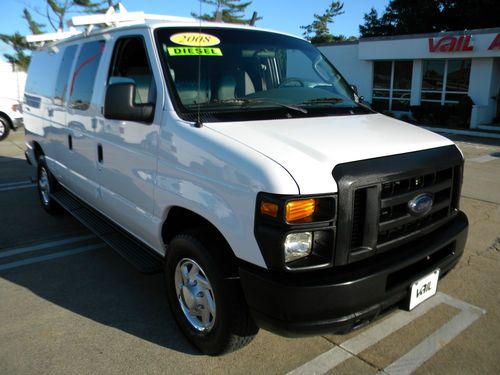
x: 70, y: 305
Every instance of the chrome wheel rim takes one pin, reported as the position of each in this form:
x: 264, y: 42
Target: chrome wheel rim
x: 195, y: 295
x: 44, y: 187
x: 2, y: 128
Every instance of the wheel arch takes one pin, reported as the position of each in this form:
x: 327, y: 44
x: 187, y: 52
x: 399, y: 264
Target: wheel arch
x: 7, y: 117
x: 38, y: 151
x: 180, y: 219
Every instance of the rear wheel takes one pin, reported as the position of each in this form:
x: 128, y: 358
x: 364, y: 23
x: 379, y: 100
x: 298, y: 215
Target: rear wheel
x: 4, y: 128
x: 47, y: 184
x: 209, y: 309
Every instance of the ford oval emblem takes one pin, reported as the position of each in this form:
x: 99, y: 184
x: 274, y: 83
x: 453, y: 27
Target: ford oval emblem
x: 421, y: 204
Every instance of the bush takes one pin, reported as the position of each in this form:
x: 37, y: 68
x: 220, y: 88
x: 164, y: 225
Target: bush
x: 453, y: 116
x: 406, y: 117
x: 463, y: 111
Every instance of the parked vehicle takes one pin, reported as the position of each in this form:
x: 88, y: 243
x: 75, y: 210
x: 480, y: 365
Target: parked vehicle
x: 241, y: 162
x: 10, y: 117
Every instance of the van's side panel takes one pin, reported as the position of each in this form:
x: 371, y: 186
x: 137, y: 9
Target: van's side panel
x: 37, y: 103
x: 218, y: 179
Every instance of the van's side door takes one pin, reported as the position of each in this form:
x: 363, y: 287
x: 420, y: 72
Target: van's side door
x: 80, y: 173
x: 127, y: 155
x: 57, y: 113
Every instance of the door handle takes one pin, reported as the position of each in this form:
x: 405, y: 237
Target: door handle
x: 70, y: 142
x: 99, y: 153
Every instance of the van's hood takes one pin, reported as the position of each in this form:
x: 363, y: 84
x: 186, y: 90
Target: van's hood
x: 309, y: 148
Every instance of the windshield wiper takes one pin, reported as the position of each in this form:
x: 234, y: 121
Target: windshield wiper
x: 247, y: 101
x: 328, y: 100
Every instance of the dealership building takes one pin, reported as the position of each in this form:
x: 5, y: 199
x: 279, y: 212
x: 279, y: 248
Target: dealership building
x: 396, y: 72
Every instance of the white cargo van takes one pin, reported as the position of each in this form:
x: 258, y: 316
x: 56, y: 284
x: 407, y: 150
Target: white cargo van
x: 240, y: 162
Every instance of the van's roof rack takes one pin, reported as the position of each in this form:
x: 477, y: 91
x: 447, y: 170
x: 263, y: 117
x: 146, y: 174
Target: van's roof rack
x: 110, y: 18
x: 41, y: 38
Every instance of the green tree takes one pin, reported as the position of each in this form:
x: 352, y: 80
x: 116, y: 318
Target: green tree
x: 18, y: 43
x: 55, y: 13
x: 232, y: 11
x: 373, y: 25
x: 319, y: 32
x: 470, y: 14
x: 406, y: 17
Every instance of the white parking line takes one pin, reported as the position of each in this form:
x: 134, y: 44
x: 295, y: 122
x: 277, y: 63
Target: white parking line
x: 44, y: 258
x: 482, y: 159
x: 431, y: 345
x: 26, y: 249
x: 413, y: 359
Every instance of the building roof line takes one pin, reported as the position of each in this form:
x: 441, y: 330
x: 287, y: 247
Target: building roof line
x: 491, y: 30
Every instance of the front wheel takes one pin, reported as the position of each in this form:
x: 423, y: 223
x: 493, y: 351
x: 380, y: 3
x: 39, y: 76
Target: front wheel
x: 47, y: 184
x: 209, y: 309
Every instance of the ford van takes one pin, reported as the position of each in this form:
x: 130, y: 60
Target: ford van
x: 240, y: 163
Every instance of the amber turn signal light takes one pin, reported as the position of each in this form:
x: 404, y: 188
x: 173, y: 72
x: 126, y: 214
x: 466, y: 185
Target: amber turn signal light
x: 300, y: 209
x: 269, y: 209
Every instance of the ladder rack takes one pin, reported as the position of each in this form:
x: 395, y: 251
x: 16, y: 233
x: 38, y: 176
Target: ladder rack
x: 108, y: 19
x: 37, y: 38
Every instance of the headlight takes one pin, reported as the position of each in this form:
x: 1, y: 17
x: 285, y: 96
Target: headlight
x: 297, y: 245
x: 296, y: 232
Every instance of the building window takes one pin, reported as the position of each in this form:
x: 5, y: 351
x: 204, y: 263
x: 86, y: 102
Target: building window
x: 445, y: 81
x: 392, y: 85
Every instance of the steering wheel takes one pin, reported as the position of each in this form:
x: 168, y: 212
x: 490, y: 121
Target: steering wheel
x: 292, y: 82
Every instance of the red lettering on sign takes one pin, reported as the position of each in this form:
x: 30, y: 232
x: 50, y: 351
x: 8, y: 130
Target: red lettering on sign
x: 495, y: 44
x: 451, y: 43
x: 467, y: 46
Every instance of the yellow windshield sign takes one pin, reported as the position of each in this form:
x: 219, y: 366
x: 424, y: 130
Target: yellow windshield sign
x: 194, y: 51
x: 195, y: 39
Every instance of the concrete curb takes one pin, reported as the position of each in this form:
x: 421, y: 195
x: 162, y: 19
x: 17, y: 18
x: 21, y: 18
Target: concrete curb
x: 471, y: 133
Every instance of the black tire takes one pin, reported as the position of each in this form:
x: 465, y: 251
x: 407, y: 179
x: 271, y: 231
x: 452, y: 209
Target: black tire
x: 4, y: 128
x: 47, y: 184
x: 232, y: 327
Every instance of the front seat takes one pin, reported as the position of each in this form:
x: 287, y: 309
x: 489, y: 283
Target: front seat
x: 236, y: 84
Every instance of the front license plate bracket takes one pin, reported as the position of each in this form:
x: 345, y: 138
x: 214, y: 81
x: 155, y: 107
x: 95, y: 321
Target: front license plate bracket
x: 423, y: 289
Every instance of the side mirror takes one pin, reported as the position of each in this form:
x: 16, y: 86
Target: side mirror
x: 119, y: 104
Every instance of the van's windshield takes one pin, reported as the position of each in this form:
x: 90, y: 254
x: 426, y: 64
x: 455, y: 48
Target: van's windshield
x: 234, y: 74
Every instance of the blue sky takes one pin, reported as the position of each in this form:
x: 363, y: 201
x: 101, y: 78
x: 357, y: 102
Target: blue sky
x: 282, y: 15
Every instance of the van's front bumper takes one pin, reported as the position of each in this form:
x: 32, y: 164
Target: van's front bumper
x: 347, y: 297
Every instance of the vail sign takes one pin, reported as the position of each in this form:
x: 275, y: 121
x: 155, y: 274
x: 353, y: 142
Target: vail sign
x: 495, y: 44
x: 450, y: 43
x: 455, y: 43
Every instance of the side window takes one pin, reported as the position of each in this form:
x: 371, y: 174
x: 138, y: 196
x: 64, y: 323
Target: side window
x: 63, y: 75
x: 41, y: 73
x: 82, y: 82
x: 130, y: 64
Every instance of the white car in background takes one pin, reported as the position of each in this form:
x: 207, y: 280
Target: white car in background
x: 10, y: 116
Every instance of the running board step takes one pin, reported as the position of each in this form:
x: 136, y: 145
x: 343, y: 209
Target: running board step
x: 145, y: 259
